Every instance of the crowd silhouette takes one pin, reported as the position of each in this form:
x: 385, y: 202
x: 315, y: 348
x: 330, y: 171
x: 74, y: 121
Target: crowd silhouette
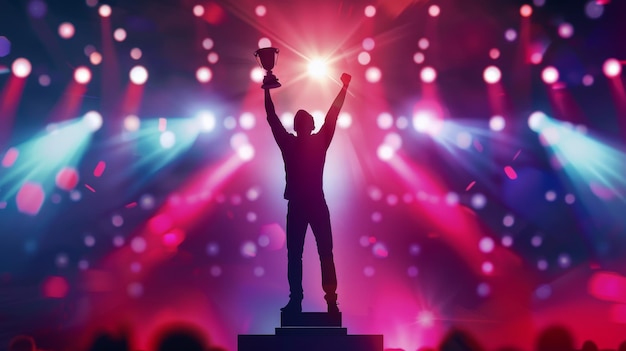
x: 189, y: 338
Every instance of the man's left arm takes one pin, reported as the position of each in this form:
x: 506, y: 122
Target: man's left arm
x: 330, y: 122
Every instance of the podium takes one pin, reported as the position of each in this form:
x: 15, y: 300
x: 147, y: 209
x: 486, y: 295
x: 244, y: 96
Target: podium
x: 310, y: 331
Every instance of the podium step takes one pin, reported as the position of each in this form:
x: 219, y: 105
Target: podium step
x: 310, y: 343
x: 317, y: 331
x: 310, y: 319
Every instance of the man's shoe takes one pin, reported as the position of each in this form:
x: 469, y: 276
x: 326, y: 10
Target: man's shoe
x: 293, y: 306
x: 332, y: 307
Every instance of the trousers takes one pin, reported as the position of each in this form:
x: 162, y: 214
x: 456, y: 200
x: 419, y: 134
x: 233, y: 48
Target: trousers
x: 300, y: 214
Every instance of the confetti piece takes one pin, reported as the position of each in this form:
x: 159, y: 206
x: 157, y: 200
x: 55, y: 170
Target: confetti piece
x: 517, y: 154
x: 478, y: 146
x: 131, y: 205
x: 510, y: 172
x: 470, y: 185
x: 99, y: 169
x: 90, y: 188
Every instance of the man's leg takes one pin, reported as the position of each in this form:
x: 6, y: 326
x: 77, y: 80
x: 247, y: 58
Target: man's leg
x: 296, y: 231
x: 320, y: 224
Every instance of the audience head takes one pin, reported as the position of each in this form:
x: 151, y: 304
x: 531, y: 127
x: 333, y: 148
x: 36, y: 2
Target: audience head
x: 555, y: 338
x: 181, y: 337
x: 106, y: 342
x: 22, y: 343
x: 589, y: 346
x: 459, y: 340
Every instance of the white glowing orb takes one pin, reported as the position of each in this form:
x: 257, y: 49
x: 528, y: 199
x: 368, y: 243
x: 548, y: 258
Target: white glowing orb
x: 492, y: 74
x: 66, y: 30
x: 434, y: 10
x: 497, y: 123
x: 510, y: 34
x: 213, y: 57
x: 208, y: 43
x: 370, y: 11
x: 95, y: 58
x: 418, y: 58
x: 21, y: 67
x: 135, y: 53
x: 537, y: 120
x: 368, y: 44
x: 423, y: 43
x: 131, y: 123
x: 425, y: 319
x: 82, y: 75
x: 260, y: 10
x: 425, y: 122
x: 264, y: 43
x: 119, y: 35
x: 204, y: 74
x: 486, y: 244
x: 167, y: 139
x: 384, y: 120
x: 344, y: 120
x: 526, y: 10
x: 385, y: 152
x: 317, y: 68
x: 206, y: 121
x: 428, y: 74
x: 612, y: 68
x: 364, y: 58
x: 138, y: 75
x: 104, y: 11
x: 247, y: 120
x: 550, y: 75
x: 93, y: 120
x: 198, y: 10
x: 245, y: 152
x: 566, y: 30
x: 373, y: 74
x: 257, y: 74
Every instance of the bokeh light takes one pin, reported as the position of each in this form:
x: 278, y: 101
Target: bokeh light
x: 364, y: 58
x: 119, y: 35
x: 260, y: 10
x: 66, y: 30
x: 104, y: 11
x: 82, y: 75
x: 138, y: 75
x: 526, y: 10
x: 21, y: 67
x: 612, y: 68
x: 204, y: 74
x: 550, y: 75
x: 434, y: 10
x: 373, y: 74
x: 497, y: 123
x: 428, y: 74
x: 492, y: 74
x: 370, y: 11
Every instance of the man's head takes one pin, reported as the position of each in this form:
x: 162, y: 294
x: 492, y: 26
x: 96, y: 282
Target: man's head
x: 303, y: 123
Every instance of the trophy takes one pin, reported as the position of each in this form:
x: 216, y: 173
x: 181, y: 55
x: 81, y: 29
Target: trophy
x: 266, y: 57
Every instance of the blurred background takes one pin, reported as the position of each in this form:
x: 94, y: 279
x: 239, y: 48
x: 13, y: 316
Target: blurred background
x: 475, y: 178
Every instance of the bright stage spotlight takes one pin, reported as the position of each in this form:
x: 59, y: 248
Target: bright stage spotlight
x: 497, y: 123
x: 93, y: 120
x: 537, y: 120
x: 204, y: 74
x: 132, y: 123
x: 428, y: 74
x: 427, y: 122
x: 492, y: 74
x: 167, y: 139
x: 104, y: 11
x: 138, y: 75
x: 550, y: 75
x: 66, y: 30
x: 82, y: 75
x: 206, y: 121
x: 317, y: 68
x: 612, y: 68
x: 21, y: 67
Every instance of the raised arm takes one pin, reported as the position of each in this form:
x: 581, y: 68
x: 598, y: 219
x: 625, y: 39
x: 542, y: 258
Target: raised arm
x: 330, y: 122
x: 278, y: 130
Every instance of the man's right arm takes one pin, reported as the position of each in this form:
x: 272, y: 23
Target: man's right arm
x: 278, y: 130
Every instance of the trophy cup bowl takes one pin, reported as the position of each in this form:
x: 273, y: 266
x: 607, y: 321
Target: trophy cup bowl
x: 266, y: 58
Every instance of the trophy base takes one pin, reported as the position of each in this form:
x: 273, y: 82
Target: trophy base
x: 271, y: 85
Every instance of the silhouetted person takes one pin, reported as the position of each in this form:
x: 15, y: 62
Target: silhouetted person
x: 181, y: 338
x: 555, y: 338
x: 459, y: 340
x: 22, y: 343
x: 304, y: 155
x: 589, y: 346
x: 107, y: 342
